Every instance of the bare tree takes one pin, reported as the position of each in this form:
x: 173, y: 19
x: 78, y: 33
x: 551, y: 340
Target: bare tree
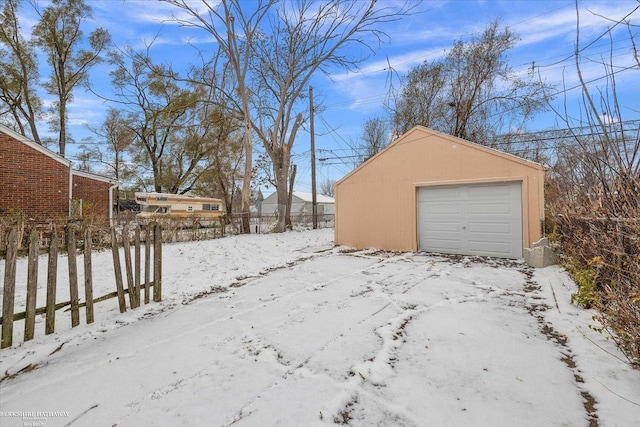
x: 277, y: 61
x: 155, y: 111
x: 375, y: 136
x: 59, y: 34
x: 421, y: 101
x: 235, y: 33
x: 327, y: 187
x: 472, y: 93
x: 110, y: 151
x: 18, y: 76
x: 225, y: 171
x: 597, y: 177
x: 609, y: 149
x: 178, y: 125
x: 307, y: 37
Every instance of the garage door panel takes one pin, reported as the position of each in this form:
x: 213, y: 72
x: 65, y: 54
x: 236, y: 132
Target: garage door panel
x: 448, y: 227
x: 501, y: 236
x: 490, y: 208
x: 446, y: 245
x: 490, y: 248
x: 479, y: 219
x: 445, y: 193
x: 489, y: 229
x: 443, y: 208
x: 488, y: 219
x: 485, y: 194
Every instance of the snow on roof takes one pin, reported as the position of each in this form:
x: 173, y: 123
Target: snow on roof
x: 308, y: 197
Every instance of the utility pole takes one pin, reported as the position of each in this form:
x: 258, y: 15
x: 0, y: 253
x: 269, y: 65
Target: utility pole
x: 314, y: 202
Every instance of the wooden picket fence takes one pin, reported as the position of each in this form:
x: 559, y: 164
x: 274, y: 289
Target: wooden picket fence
x: 148, y: 237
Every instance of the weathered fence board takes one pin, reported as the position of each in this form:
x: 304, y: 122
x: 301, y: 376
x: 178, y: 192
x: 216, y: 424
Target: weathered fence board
x: 52, y: 280
x: 136, y: 245
x: 88, y: 276
x: 9, y: 291
x: 32, y: 286
x: 73, y: 275
x: 157, y: 263
x: 134, y: 288
x: 147, y: 263
x: 128, y: 267
x: 118, y: 271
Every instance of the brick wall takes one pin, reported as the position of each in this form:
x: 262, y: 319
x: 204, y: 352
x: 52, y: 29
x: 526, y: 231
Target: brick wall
x: 94, y: 195
x: 31, y: 182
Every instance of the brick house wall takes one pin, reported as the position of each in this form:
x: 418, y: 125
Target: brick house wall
x: 35, y: 182
x: 32, y: 182
x: 94, y: 195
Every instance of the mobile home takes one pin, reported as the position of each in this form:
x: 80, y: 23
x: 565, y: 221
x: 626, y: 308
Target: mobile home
x: 178, y: 205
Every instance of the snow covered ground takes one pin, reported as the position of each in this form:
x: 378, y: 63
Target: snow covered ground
x: 287, y: 330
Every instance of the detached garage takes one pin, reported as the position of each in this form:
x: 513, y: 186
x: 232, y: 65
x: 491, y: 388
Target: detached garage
x: 429, y: 191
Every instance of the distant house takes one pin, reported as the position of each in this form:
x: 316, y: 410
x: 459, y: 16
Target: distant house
x: 301, y: 206
x: 42, y: 185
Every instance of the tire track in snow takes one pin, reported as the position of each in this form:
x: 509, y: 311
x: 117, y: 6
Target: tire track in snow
x: 335, y: 338
x: 137, y: 404
x: 391, y: 335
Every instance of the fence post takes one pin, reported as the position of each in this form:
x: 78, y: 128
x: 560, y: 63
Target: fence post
x: 8, y: 294
x: 127, y: 265
x: 136, y: 278
x: 118, y: 270
x: 147, y: 263
x: 52, y: 280
x: 32, y: 286
x: 157, y: 263
x: 88, y: 276
x: 73, y: 275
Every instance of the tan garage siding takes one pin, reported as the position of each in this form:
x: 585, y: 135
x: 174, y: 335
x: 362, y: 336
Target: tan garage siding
x: 376, y: 203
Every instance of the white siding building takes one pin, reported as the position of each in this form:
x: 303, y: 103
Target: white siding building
x: 301, y: 207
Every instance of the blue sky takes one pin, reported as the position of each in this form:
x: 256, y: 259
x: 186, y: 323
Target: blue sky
x: 546, y: 28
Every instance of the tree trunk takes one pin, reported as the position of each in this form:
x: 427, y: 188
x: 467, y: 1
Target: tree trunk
x: 282, y: 192
x: 246, y: 181
x: 287, y: 220
x: 63, y: 128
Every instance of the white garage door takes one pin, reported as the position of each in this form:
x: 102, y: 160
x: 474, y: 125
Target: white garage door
x: 482, y: 219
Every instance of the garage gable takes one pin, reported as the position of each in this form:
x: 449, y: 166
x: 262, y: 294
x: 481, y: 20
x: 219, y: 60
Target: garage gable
x: 378, y: 204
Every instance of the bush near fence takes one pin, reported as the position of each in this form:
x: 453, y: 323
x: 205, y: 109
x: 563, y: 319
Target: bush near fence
x: 602, y: 254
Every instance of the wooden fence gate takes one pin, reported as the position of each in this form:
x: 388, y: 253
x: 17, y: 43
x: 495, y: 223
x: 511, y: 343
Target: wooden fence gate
x: 149, y: 237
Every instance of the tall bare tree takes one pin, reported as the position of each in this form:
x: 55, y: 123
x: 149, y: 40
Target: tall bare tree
x: 61, y: 37
x: 235, y: 32
x: 307, y: 38
x: 302, y: 38
x: 471, y: 93
x: 20, y: 105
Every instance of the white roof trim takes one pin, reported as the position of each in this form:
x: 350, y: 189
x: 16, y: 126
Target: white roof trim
x: 35, y: 146
x: 93, y: 176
